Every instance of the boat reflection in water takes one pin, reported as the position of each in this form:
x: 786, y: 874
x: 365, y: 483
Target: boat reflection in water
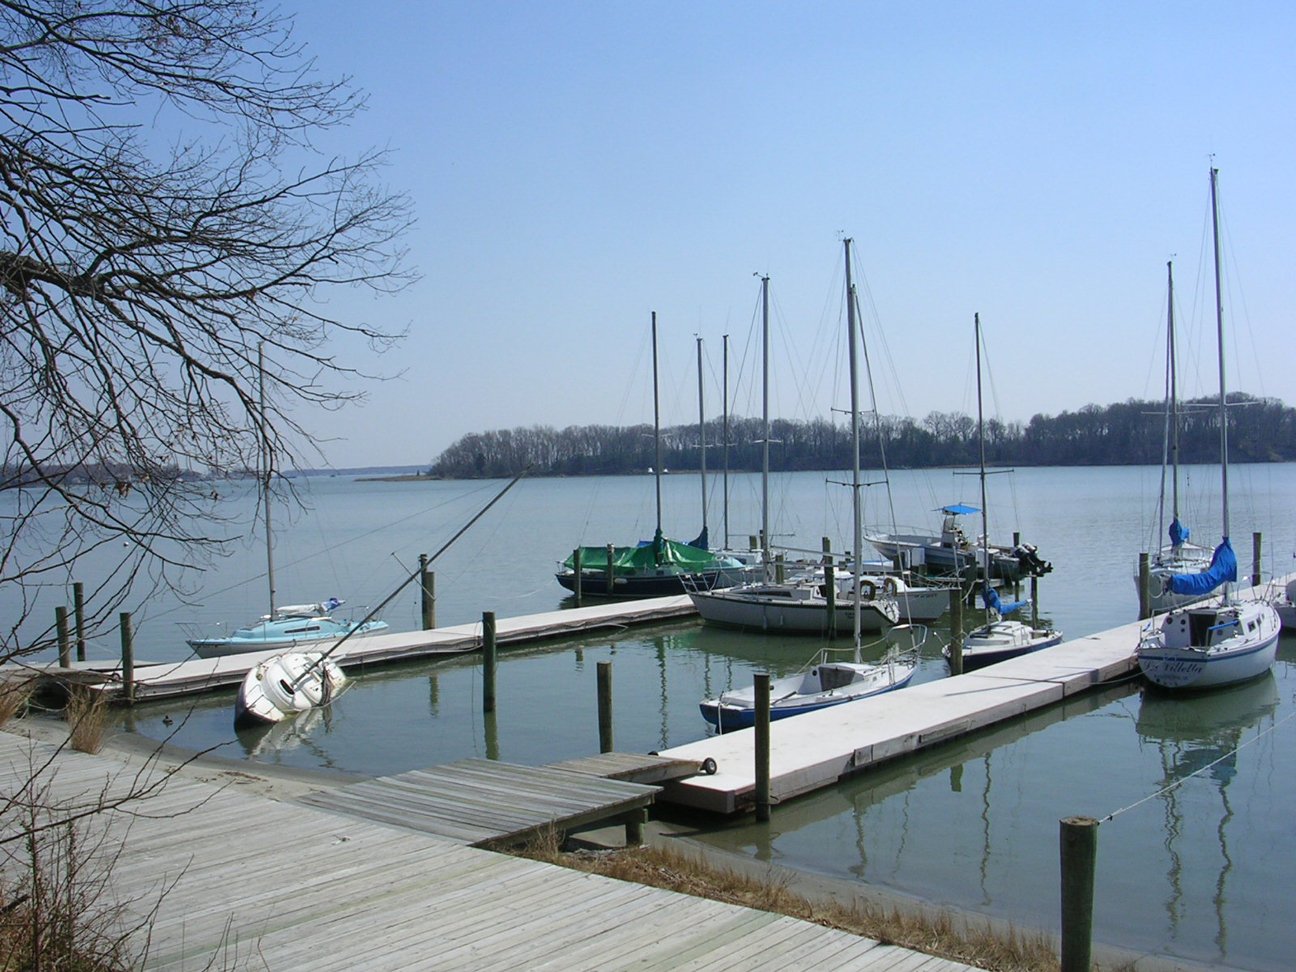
x: 1198, y: 739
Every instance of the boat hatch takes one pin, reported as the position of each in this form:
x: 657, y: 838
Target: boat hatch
x: 834, y: 678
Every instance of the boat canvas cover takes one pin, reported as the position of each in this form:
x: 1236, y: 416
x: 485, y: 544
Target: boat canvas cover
x: 643, y: 557
x: 994, y: 603
x: 959, y: 509
x: 1178, y: 532
x: 1223, y: 567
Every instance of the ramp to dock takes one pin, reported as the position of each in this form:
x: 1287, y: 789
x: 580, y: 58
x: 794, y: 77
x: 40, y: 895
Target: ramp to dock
x: 817, y: 749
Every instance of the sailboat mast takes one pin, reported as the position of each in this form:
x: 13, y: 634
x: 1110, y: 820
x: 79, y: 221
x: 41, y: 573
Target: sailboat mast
x: 657, y: 461
x: 702, y: 438
x: 985, y: 518
x: 1174, y: 391
x: 765, y: 423
x: 725, y: 395
x: 267, y: 461
x: 858, y: 538
x: 1219, y: 331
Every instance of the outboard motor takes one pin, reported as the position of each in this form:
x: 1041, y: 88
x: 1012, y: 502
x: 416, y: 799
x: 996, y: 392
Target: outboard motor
x: 1029, y: 559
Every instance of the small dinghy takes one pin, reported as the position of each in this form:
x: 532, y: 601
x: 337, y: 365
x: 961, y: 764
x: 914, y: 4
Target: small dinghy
x: 282, y: 686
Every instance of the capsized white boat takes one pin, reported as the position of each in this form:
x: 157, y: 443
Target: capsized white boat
x: 1225, y: 641
x: 286, y: 684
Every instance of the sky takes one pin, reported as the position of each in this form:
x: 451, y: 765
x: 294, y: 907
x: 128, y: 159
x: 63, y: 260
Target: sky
x: 575, y: 167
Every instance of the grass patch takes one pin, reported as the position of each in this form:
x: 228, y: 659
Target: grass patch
x: 939, y: 934
x: 87, y: 717
x: 14, y: 696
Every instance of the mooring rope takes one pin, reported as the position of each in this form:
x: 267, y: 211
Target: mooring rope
x: 1197, y: 772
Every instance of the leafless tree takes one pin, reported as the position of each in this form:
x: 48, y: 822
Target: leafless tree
x: 165, y: 212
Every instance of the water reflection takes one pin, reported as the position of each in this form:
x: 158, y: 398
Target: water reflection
x: 1197, y: 736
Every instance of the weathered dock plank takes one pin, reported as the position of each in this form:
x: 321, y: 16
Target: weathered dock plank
x: 242, y: 881
x: 484, y: 801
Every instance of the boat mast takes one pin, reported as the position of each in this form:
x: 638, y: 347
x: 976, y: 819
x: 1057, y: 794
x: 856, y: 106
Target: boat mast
x: 858, y: 538
x: 267, y: 464
x: 702, y: 439
x: 1174, y: 392
x: 657, y: 536
x: 985, y: 519
x: 1219, y: 331
x: 725, y: 395
x: 765, y: 535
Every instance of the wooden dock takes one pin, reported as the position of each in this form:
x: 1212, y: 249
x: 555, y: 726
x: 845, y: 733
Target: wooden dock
x: 159, y: 680
x: 229, y: 879
x: 818, y: 748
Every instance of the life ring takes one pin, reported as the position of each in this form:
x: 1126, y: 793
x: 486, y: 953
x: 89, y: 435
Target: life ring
x: 890, y: 588
x: 868, y: 590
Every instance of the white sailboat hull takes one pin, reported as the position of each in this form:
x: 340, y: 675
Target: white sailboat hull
x: 1210, y: 646
x: 285, y: 685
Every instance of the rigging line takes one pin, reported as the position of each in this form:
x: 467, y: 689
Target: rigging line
x: 1197, y: 772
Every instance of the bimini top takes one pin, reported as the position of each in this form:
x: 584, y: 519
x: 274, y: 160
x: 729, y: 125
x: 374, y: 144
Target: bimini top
x: 959, y: 509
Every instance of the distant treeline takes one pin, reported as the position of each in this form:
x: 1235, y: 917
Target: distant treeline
x: 1128, y: 433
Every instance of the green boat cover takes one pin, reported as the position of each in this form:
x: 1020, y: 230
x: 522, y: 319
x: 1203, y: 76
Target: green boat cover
x: 648, y: 554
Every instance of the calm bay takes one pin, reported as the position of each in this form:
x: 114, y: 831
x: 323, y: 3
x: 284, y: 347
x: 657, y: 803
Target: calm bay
x: 1192, y: 863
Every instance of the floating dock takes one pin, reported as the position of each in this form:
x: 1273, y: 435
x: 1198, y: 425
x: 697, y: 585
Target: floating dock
x: 817, y: 749
x: 160, y: 680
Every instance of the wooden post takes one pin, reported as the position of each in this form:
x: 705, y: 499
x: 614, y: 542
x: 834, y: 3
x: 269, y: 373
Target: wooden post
x: 635, y: 827
x: 751, y: 542
x: 956, y: 631
x: 779, y: 569
x: 1017, y: 582
x: 428, y: 601
x: 1078, y: 840
x: 128, y: 657
x: 1145, y: 597
x: 488, y: 661
x: 762, y: 747
x: 827, y: 550
x: 64, y: 637
x: 78, y: 608
x: 605, y: 706
x: 830, y: 595
x: 1034, y: 599
x: 609, y: 575
x: 576, y: 575
x: 1255, y: 559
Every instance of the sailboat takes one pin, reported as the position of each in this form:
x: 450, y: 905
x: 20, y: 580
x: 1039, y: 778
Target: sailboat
x: 287, y: 625
x: 1179, y: 556
x: 656, y: 567
x: 1225, y: 641
x: 825, y: 682
x: 1000, y: 638
x: 801, y: 604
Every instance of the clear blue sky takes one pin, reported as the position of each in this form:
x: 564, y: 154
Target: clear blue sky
x: 575, y: 166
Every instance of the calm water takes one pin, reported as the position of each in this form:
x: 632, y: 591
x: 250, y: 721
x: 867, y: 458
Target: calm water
x: 1188, y: 871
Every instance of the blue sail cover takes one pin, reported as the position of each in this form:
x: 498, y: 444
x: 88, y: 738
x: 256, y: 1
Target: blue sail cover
x: 959, y: 509
x: 1223, y: 567
x: 1178, y: 532
x: 992, y: 601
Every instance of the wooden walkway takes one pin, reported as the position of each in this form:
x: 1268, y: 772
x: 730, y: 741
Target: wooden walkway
x: 195, y: 675
x: 819, y: 748
x: 241, y: 881
x: 484, y: 803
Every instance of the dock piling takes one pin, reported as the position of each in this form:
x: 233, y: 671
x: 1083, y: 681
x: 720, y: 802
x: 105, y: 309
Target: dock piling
x: 605, y: 707
x: 1255, y: 559
x: 1034, y: 599
x: 128, y: 657
x: 762, y: 740
x: 609, y: 576
x: 427, y: 580
x: 78, y: 608
x: 779, y: 569
x: 64, y: 637
x: 956, y: 631
x: 830, y: 596
x: 1078, y: 839
x: 576, y: 575
x: 488, y: 661
x: 1145, y: 597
